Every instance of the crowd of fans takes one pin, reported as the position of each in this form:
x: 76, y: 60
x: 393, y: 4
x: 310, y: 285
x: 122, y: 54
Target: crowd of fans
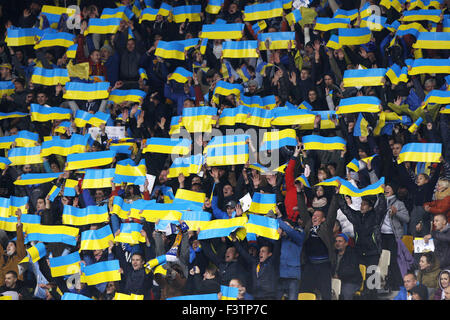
x: 324, y: 235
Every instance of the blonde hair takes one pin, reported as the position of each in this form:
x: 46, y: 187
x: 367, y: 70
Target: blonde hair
x: 443, y: 183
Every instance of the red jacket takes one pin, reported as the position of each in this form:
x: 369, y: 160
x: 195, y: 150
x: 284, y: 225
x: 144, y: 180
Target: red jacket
x: 440, y: 206
x: 290, y: 200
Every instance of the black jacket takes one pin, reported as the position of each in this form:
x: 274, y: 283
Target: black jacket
x: 348, y: 268
x: 205, y: 286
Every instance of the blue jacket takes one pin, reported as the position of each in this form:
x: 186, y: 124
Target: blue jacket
x: 291, y: 248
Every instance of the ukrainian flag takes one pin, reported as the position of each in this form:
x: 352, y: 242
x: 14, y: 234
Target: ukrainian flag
x: 9, y: 206
x: 231, y: 116
x: 170, y: 50
x: 83, y: 216
x: 188, y: 197
x: 214, y: 6
x: 36, y: 178
x: 152, y: 211
x: 89, y: 159
x: 127, y: 171
x: 229, y: 293
x: 167, y: 146
x: 123, y: 296
x: 123, y: 13
x: 65, y: 265
x: 96, y: 239
x: 261, y: 11
x: 196, y: 219
x: 446, y: 110
x: 35, y: 253
x: 200, y: 297
x: 148, y: 14
x: 86, y: 91
x: 433, y: 40
x: 293, y: 17
x: 159, y: 260
x: 327, y: 24
x: 43, y: 114
x: 259, y: 26
x: 100, y: 272
x: 420, y: 152
x: 262, y: 203
x: 26, y: 139
x: 303, y: 180
x: 243, y: 73
x: 198, y: 119
x: 222, y: 31
x: 284, y: 116
x: 397, y: 74
x: 123, y: 209
x: 352, y: 37
x: 349, y: 189
x: 315, y: 142
x: 82, y: 118
x: 261, y: 67
x: 359, y: 104
x: 186, y: 166
x: 17, y: 37
x: 53, y: 193
x: 130, y: 233
x: 437, y: 96
x: 103, y: 26
x: 168, y: 195
x: 21, y: 156
x: 377, y: 24
x: 364, y: 77
x: 421, y: 66
x: 6, y: 141
x: 334, y: 181
x: 4, y: 162
x: 354, y: 165
x: 69, y: 188
x: 346, y: 14
x: 74, y: 296
x: 124, y: 147
x: 143, y: 74
x: 277, y: 139
x: 421, y: 15
x: 6, y: 87
x: 71, y: 52
x: 180, y: 75
x: 45, y: 233
x: 12, y: 115
x: 415, y: 125
x: 61, y: 39
x: 192, y: 13
x: 227, y: 150
x: 226, y: 88
x: 361, y: 125
x: 240, y: 49
x: 98, y: 178
x: 221, y: 227
x: 263, y: 226
x: 410, y: 28
x: 53, y: 14
x: 132, y: 95
x: 333, y: 42
x: 278, y: 40
x: 76, y: 144
x: 165, y: 9
x: 259, y: 117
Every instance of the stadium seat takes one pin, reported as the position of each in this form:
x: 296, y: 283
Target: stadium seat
x: 306, y: 296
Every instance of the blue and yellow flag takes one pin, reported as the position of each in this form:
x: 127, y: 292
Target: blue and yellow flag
x: 346, y: 14
x: 159, y: 260
x: 353, y: 37
x: 421, y: 66
x: 188, y: 197
x: 167, y: 146
x: 130, y: 233
x: 74, y: 296
x: 225, y: 88
x: 123, y: 209
x: 229, y: 293
x: 53, y: 14
x: 123, y: 296
x: 240, y: 49
x: 96, y: 239
x: 397, y: 74
x: 186, y: 166
x: 9, y: 206
x: 131, y: 95
x: 61, y: 39
x: 98, y: 178
x: 26, y: 138
x: 433, y: 40
x: 71, y: 52
x: 89, y: 159
x: 82, y: 118
x: 359, y: 104
x: 21, y: 156
x: 43, y: 114
x: 214, y: 6
x: 180, y: 75
x: 364, y: 77
x: 100, y: 272
x: 263, y: 226
x: 232, y: 116
x: 65, y: 265
x: 35, y: 253
x: 414, y: 28
x: 293, y: 17
x: 415, y: 125
x: 123, y: 12
x: 199, y: 297
x: 12, y: 115
x: 421, y: 15
x: 259, y: 117
x: 48, y: 233
x: 261, y: 11
x: 243, y: 73
x: 6, y: 87
x: 36, y: 178
x: 152, y: 211
x: 50, y: 77
x: 349, y: 189
x: 17, y: 37
x: 259, y: 26
x: 76, y: 144
x: 53, y: 193
x: 86, y: 91
x: 170, y: 50
x: 262, y: 203
x: 267, y: 102
x: 69, y: 188
x: 6, y: 141
x: 103, y: 26
x: 303, y: 180
x: 420, y: 152
x: 277, y: 139
x: 278, y: 40
x: 221, y: 227
x: 437, y: 96
x: 283, y: 116
x: 377, y: 24
x: 191, y: 13
x: 262, y: 66
x: 231, y: 148
x: 327, y: 24
x: 83, y: 216
x: 333, y: 42
x: 4, y: 162
x: 315, y: 142
x: 222, y: 31
x: 198, y: 119
x: 361, y: 127
x: 128, y: 172
x: 148, y: 14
